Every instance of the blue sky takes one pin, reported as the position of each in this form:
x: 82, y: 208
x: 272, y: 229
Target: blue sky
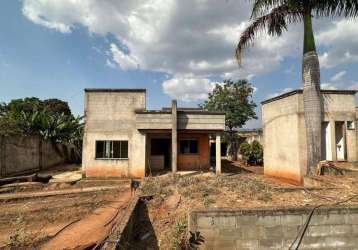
x: 55, y: 49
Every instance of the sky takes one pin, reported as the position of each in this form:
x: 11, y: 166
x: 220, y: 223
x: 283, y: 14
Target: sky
x: 176, y: 49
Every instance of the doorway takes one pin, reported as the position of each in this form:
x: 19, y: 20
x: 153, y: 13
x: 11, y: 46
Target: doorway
x: 326, y: 141
x: 340, y: 141
x: 160, y: 149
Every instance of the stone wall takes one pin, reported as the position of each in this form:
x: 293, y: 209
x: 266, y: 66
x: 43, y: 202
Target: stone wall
x: 330, y: 228
x: 20, y: 155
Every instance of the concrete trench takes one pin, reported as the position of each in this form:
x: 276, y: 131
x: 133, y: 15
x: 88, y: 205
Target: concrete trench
x: 265, y: 228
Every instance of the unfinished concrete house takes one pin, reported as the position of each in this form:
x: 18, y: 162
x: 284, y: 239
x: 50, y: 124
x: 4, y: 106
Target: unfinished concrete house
x: 285, y: 135
x: 123, y: 138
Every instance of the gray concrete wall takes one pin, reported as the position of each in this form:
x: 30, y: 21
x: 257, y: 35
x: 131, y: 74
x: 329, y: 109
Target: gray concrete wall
x: 111, y: 116
x: 282, y: 138
x: 330, y: 228
x: 20, y: 155
x: 284, y: 131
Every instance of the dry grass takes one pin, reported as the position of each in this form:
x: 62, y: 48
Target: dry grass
x: 226, y: 191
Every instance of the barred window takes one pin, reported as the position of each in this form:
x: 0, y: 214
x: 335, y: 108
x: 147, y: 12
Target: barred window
x: 111, y: 149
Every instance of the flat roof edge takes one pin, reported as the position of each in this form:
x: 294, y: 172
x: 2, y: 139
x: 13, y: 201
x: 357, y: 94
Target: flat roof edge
x: 300, y: 91
x: 113, y: 90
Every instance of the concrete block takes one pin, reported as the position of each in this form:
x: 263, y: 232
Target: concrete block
x: 332, y: 219
x: 251, y: 232
x: 310, y: 242
x: 352, y: 219
x: 273, y: 232
x: 319, y: 230
x: 268, y: 221
x: 205, y: 222
x: 225, y: 245
x: 246, y: 220
x: 341, y: 242
x: 225, y: 221
x: 290, y: 232
x: 247, y: 244
x: 229, y: 234
x: 274, y: 243
x: 291, y: 220
x: 341, y: 229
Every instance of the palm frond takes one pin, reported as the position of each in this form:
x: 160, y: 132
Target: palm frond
x: 261, y: 7
x: 274, y: 23
x: 332, y: 8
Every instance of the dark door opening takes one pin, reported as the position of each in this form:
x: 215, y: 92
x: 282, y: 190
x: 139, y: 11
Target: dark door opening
x: 161, y: 146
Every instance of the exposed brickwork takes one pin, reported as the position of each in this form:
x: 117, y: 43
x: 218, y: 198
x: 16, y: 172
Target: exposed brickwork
x: 330, y: 228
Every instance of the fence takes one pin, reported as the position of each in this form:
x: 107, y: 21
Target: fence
x: 20, y: 155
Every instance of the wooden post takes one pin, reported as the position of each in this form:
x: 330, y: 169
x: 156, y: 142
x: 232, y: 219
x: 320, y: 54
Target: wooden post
x: 174, y: 137
x: 218, y: 154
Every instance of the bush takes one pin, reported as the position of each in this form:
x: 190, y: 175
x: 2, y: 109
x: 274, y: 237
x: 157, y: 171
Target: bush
x: 245, y: 151
x: 252, y: 153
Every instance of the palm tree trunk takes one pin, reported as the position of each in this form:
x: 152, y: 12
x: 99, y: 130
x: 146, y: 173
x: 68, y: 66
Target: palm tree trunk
x: 312, y: 101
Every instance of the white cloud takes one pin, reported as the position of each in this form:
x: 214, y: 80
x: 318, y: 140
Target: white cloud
x: 197, y: 37
x: 124, y: 61
x: 280, y: 92
x: 188, y: 89
x: 172, y: 36
x: 328, y: 86
x: 338, y: 76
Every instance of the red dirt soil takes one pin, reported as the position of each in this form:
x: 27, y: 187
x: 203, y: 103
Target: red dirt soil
x: 92, y: 229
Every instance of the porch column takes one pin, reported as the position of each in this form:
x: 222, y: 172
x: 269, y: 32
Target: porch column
x: 174, y: 136
x: 218, y: 154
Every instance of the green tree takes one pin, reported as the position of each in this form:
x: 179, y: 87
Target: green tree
x: 57, y: 106
x: 235, y: 99
x: 274, y: 16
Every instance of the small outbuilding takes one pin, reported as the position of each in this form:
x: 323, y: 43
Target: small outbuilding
x: 285, y: 150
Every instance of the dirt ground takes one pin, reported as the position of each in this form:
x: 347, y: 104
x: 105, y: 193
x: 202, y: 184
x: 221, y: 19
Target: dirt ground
x: 175, y: 196
x: 27, y: 223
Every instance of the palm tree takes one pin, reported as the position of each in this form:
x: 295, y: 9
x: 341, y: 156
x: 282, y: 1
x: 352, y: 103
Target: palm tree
x: 273, y: 16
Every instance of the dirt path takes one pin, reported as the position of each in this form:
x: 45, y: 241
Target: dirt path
x: 24, y: 195
x: 93, y: 228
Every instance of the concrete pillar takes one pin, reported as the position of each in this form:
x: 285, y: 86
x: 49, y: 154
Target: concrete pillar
x: 174, y: 137
x: 333, y: 140
x: 218, y: 154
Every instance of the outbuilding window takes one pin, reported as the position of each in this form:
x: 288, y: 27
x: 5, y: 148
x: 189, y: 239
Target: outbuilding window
x: 189, y: 146
x: 111, y: 149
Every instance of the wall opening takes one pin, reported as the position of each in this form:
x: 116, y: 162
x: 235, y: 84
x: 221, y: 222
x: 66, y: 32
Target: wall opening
x: 160, y: 153
x: 340, y: 141
x: 326, y: 142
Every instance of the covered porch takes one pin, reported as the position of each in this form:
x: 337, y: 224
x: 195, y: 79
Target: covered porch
x: 179, y: 139
x: 189, y: 152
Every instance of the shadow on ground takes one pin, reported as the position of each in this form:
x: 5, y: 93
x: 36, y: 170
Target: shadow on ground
x: 229, y: 167
x: 143, y: 236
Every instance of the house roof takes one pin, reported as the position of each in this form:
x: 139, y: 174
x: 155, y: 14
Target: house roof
x: 113, y: 90
x: 300, y: 91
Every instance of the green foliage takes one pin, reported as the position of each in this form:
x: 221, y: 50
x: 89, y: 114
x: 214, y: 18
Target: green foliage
x: 245, y: 151
x: 235, y: 99
x: 50, y: 119
x: 252, y: 153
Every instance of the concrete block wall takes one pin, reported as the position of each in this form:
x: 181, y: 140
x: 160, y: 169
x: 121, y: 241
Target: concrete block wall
x: 330, y: 228
x: 28, y: 154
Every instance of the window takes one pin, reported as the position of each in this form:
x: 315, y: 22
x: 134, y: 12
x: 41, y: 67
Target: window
x: 111, y: 149
x: 189, y: 146
x: 350, y: 124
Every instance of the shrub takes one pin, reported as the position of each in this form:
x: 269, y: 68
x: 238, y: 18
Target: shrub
x: 252, y: 153
x: 245, y: 151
